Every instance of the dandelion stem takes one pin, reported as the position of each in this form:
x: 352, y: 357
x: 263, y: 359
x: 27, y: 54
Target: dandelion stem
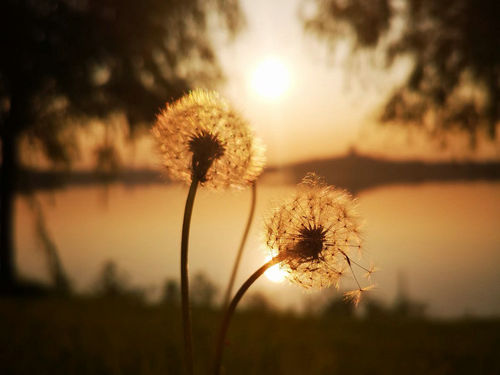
x: 186, y: 308
x: 352, y: 271
x: 360, y: 266
x: 242, y: 246
x: 230, y: 310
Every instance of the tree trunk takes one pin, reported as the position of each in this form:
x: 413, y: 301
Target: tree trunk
x: 8, y: 186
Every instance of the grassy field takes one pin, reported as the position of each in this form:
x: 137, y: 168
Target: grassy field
x: 95, y: 336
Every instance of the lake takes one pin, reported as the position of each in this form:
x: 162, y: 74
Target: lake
x: 438, y: 243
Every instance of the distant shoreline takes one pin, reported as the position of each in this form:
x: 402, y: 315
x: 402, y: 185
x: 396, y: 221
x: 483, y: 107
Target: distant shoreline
x: 352, y: 172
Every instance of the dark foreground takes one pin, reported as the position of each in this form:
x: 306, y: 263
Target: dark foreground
x: 91, y: 336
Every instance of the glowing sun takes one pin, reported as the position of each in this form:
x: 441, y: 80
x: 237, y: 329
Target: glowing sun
x: 271, y: 78
x: 275, y: 273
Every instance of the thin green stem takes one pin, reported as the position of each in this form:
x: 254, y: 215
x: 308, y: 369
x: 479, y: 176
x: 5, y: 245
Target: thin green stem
x: 230, y: 310
x: 186, y: 308
x: 242, y: 246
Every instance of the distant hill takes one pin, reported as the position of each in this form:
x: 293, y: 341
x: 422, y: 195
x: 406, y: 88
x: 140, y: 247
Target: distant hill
x: 353, y: 172
x: 356, y: 172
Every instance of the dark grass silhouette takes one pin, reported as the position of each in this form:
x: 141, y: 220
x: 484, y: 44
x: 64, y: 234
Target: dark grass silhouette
x: 125, y: 336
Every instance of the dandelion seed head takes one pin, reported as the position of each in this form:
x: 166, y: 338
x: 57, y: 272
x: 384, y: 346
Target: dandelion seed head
x: 201, y: 136
x: 206, y: 148
x: 314, y: 232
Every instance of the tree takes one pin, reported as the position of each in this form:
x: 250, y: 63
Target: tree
x: 455, y: 77
x: 171, y: 293
x: 80, y: 59
x: 203, y: 291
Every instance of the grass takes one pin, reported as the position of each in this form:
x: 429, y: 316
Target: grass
x: 96, y: 336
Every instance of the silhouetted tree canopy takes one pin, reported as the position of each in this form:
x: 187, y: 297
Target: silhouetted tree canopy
x: 64, y: 60
x: 92, y: 57
x: 455, y: 49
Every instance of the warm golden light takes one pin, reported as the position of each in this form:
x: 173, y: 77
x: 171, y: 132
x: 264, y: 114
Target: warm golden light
x: 275, y: 273
x: 271, y: 78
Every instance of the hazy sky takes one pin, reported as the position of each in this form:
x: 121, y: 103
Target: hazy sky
x: 330, y: 102
x: 329, y: 105
x: 323, y: 109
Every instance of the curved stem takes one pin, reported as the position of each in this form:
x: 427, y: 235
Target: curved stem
x: 230, y: 310
x: 186, y: 308
x: 242, y: 246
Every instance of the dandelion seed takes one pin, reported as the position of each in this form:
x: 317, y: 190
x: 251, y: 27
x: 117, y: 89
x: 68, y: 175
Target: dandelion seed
x: 314, y: 233
x: 354, y: 296
x: 370, y: 270
x: 200, y: 136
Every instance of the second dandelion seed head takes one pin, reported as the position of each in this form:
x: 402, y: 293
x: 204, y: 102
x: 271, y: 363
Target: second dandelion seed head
x: 314, y: 233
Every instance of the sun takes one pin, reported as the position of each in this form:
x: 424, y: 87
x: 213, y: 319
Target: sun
x: 275, y: 273
x: 271, y: 78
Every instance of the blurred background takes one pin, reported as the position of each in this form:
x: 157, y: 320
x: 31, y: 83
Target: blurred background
x: 396, y: 101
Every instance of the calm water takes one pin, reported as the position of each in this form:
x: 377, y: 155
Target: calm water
x: 440, y: 243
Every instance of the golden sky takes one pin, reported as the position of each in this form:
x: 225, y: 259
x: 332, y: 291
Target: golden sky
x: 328, y: 105
x: 320, y: 112
x: 304, y: 100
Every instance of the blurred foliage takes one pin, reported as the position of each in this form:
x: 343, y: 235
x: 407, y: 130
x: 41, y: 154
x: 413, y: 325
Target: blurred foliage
x: 110, y: 336
x: 171, y: 293
x: 89, y: 58
x: 59, y: 279
x: 259, y: 302
x: 339, y: 307
x: 203, y: 291
x: 454, y: 47
x: 113, y: 283
x: 67, y: 62
x: 110, y: 282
